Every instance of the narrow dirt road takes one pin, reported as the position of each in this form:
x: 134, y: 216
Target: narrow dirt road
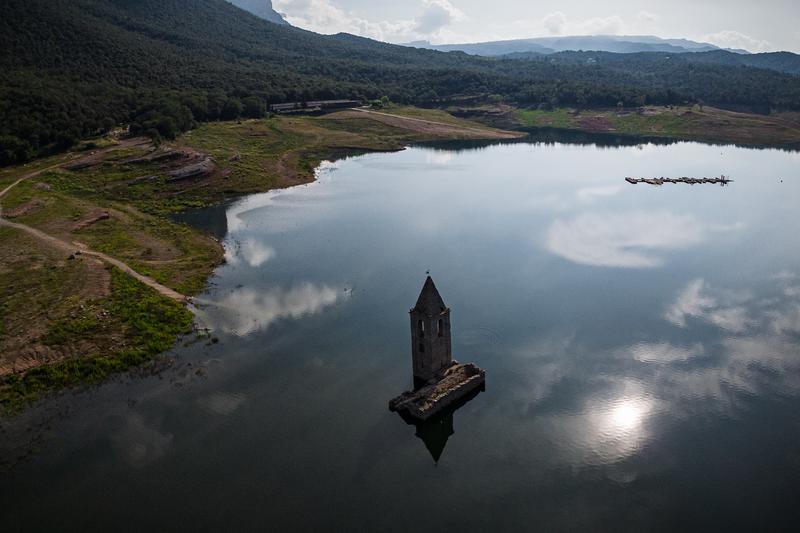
x: 431, y: 126
x: 71, y: 248
x: 27, y: 177
x: 76, y: 247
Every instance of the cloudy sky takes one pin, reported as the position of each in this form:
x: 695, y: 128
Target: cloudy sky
x: 767, y: 25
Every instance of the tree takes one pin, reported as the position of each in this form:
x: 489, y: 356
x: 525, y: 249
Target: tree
x: 14, y: 150
x: 253, y: 107
x: 233, y: 109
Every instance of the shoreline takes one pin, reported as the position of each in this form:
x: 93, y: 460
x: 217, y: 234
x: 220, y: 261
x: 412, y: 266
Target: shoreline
x: 650, y: 123
x: 247, y: 157
x: 133, y: 186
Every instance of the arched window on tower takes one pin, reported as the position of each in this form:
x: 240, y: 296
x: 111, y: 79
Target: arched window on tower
x: 422, y: 329
x: 440, y: 328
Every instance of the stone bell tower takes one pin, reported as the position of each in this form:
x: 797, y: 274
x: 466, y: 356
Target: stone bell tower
x: 431, y: 349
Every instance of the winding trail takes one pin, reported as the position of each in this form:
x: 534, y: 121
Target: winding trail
x: 77, y: 247
x: 26, y: 177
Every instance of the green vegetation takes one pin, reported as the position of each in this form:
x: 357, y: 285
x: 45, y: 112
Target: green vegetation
x: 281, y: 151
x: 533, y: 118
x: 148, y: 324
x: 673, y: 122
x: 75, y: 68
x: 435, y: 115
x: 172, y: 254
x: 71, y: 320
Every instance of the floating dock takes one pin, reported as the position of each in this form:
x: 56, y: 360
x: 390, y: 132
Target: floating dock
x: 722, y: 180
x: 454, y: 384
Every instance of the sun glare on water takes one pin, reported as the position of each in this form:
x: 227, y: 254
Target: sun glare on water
x: 626, y: 417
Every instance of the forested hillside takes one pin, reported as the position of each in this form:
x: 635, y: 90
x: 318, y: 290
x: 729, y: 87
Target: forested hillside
x: 780, y: 61
x: 72, y: 68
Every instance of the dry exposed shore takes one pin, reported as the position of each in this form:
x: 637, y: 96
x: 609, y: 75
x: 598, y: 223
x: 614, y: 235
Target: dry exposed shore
x: 70, y: 318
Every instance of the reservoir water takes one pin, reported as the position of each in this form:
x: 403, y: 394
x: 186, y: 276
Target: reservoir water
x: 641, y: 347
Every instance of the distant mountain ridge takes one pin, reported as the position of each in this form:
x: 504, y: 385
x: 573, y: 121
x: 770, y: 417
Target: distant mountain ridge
x: 262, y: 9
x: 600, y: 43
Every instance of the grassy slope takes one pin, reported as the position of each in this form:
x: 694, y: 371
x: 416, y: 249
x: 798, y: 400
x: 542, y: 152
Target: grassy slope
x: 706, y: 124
x: 120, y: 330
x: 80, y: 321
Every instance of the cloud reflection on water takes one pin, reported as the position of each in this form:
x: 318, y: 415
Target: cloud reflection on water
x: 601, y: 407
x: 624, y: 240
x: 244, y: 311
x: 663, y: 352
x: 223, y: 403
x: 139, y: 444
x: 591, y: 194
x: 758, y: 334
x: 254, y: 253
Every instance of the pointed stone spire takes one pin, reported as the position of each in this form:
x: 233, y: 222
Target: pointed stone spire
x: 430, y: 302
x: 430, y: 334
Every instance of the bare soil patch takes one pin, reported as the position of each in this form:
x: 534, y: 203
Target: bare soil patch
x: 426, y: 127
x: 595, y: 123
x: 26, y: 208
x: 43, y: 287
x: 92, y: 218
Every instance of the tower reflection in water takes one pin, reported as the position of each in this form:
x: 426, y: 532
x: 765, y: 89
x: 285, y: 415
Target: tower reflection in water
x: 435, y: 431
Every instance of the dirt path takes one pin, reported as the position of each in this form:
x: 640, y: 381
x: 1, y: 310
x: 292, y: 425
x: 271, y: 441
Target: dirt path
x: 126, y: 143
x: 420, y: 125
x: 71, y: 248
x: 27, y: 177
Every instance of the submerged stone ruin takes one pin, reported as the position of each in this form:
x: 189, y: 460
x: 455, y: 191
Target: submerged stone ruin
x: 440, y: 383
x: 722, y: 180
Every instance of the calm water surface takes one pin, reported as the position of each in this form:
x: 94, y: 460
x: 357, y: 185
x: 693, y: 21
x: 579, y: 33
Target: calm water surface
x: 641, y: 344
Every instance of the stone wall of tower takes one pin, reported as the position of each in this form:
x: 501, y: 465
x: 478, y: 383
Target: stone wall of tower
x: 431, y: 347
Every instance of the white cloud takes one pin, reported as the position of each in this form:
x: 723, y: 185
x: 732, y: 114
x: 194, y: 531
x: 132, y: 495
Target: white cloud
x: 626, y: 240
x: 555, y: 23
x: 612, y: 25
x: 735, y: 39
x: 325, y: 16
x: 647, y: 17
x: 436, y: 15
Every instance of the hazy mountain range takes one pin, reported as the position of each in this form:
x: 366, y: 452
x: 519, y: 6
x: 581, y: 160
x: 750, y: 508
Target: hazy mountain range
x: 601, y: 43
x: 561, y: 50
x: 262, y: 9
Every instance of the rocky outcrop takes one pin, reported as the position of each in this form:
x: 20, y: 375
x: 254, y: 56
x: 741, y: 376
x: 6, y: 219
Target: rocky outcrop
x: 198, y: 169
x: 262, y: 9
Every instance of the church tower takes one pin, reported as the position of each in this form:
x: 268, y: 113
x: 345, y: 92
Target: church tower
x: 431, y: 349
